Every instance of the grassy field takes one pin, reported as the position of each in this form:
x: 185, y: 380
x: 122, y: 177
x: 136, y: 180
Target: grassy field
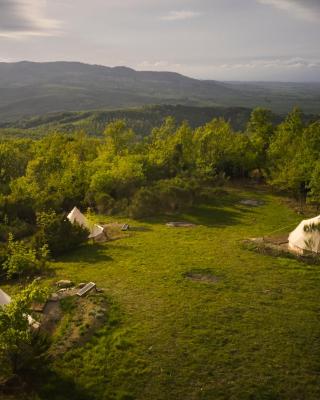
x: 253, y: 334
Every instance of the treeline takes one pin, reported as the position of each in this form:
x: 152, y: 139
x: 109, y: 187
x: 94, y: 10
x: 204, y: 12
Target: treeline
x: 142, y: 120
x: 164, y: 171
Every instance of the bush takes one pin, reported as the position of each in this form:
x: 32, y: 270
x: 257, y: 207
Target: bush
x: 23, y: 260
x: 175, y: 194
x: 144, y: 203
x: 18, y: 228
x: 58, y: 233
x: 17, y: 209
x: 21, y: 351
x: 3, y: 257
x: 104, y: 203
x: 172, y: 195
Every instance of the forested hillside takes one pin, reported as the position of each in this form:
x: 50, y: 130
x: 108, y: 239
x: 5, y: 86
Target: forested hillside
x: 143, y: 175
x: 38, y: 88
x: 142, y: 120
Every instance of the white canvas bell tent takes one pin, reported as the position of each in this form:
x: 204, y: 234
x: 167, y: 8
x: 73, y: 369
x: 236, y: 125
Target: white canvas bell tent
x: 6, y: 299
x: 306, y: 236
x: 75, y: 215
x: 97, y: 232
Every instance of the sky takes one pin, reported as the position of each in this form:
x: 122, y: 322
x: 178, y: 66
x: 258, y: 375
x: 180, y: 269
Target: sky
x: 260, y: 40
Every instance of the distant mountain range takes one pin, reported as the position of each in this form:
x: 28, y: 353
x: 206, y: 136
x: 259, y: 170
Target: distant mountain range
x: 29, y: 89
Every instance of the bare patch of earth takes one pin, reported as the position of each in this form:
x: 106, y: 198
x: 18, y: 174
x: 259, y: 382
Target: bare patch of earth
x: 72, y: 320
x: 252, y: 203
x: 114, y: 231
x: 201, y: 277
x: 181, y: 224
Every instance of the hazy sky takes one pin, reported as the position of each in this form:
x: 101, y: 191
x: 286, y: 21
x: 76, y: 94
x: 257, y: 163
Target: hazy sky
x: 208, y: 39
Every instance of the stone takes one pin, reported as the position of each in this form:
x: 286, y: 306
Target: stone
x: 54, y: 297
x: 81, y: 285
x: 64, y: 283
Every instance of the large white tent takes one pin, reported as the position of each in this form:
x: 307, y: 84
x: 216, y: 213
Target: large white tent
x: 76, y: 216
x: 97, y: 232
x: 306, y: 236
x: 6, y: 299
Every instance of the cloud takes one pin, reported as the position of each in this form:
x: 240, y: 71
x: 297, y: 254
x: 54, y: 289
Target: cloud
x: 158, y: 65
x: 6, y: 60
x: 288, y: 64
x: 180, y: 15
x: 19, y: 18
x: 305, y: 9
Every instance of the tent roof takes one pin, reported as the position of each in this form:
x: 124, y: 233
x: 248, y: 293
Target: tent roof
x: 4, y: 298
x: 76, y: 216
x: 97, y: 230
x: 306, y: 240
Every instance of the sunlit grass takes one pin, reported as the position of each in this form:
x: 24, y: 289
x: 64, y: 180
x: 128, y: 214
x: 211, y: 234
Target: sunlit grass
x: 253, y: 334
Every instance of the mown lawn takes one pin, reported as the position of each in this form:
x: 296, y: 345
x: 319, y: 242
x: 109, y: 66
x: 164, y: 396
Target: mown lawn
x: 254, y: 334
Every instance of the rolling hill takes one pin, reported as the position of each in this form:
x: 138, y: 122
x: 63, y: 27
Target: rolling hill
x: 29, y: 89
x: 141, y: 119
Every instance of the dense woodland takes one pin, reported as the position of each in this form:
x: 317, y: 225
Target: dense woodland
x: 166, y: 171
x: 141, y: 119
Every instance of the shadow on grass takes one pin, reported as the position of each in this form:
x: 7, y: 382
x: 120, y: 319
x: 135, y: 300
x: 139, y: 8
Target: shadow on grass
x: 53, y: 386
x: 92, y: 253
x: 89, y: 253
x: 207, y: 214
x: 214, y: 216
x: 139, y: 229
x: 223, y: 210
x: 44, y: 384
x: 57, y: 387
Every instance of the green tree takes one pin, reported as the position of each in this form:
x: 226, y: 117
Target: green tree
x: 213, y: 146
x: 260, y: 130
x: 288, y: 161
x: 314, y: 186
x: 119, y: 138
x: 14, y: 157
x: 164, y: 150
x: 118, y: 178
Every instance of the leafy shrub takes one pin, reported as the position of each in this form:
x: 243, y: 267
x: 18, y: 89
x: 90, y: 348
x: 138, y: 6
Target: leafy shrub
x: 23, y: 260
x: 3, y: 257
x: 144, y: 203
x: 172, y: 195
x: 20, y: 350
x: 58, y: 233
x: 104, y: 203
x: 18, y: 228
x: 14, y: 208
x: 175, y: 194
